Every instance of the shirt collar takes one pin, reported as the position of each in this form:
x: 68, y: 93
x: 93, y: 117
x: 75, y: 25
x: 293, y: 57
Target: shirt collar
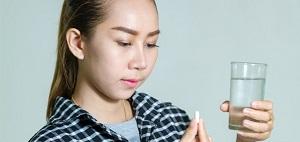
x: 66, y: 110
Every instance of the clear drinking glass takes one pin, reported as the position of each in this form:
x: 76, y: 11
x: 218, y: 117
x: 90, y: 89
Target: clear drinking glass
x: 247, y: 85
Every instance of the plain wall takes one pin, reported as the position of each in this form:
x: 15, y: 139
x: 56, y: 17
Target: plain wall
x: 199, y: 39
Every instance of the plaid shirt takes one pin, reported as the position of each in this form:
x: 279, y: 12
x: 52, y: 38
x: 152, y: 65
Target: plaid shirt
x: 159, y: 122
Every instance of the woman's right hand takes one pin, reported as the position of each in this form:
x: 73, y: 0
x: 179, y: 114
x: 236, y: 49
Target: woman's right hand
x: 196, y: 132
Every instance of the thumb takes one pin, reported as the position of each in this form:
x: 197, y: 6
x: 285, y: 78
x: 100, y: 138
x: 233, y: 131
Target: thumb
x: 225, y: 106
x: 190, y: 132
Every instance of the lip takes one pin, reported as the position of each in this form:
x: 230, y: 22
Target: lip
x: 131, y: 83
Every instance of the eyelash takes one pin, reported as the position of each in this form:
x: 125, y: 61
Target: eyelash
x: 152, y: 45
x: 127, y: 44
x: 123, y: 44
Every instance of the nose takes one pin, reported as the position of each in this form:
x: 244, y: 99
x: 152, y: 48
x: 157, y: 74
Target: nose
x: 138, y: 60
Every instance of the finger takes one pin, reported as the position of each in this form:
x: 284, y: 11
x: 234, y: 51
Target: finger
x: 202, y: 134
x: 254, y: 136
x: 262, y: 105
x: 210, y: 139
x: 190, y: 133
x: 258, y: 115
x: 225, y: 106
x: 257, y: 126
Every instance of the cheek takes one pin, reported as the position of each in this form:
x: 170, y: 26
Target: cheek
x: 152, y: 57
x: 106, y: 61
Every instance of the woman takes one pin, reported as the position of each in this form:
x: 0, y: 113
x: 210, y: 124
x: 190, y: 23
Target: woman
x: 106, y: 50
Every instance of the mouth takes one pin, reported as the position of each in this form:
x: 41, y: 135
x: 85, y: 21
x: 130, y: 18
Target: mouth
x: 131, y: 83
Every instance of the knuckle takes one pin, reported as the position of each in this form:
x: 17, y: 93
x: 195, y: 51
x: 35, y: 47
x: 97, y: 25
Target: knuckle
x: 266, y: 128
x: 270, y: 127
x: 271, y: 104
x: 264, y: 136
x: 269, y: 116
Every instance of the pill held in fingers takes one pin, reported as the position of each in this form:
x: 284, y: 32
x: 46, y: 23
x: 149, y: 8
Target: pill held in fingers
x: 197, y: 116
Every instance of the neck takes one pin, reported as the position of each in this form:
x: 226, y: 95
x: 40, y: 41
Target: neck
x: 101, y: 107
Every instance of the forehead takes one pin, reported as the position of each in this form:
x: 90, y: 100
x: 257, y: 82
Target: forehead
x: 140, y: 15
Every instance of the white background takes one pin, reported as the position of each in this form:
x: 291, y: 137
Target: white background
x: 199, y: 40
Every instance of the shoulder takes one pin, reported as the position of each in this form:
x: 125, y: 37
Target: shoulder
x: 43, y: 134
x: 146, y: 101
x: 149, y: 107
x: 160, y: 120
x: 50, y: 132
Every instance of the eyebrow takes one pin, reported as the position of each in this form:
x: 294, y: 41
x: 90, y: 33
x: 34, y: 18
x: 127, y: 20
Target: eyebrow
x: 133, y: 32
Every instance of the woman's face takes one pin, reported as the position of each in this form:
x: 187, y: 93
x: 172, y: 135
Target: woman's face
x: 122, y: 52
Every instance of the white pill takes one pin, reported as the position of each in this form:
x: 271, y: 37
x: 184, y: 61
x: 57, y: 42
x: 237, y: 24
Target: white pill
x: 197, y: 116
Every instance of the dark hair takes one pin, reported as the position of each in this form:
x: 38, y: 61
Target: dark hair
x: 84, y: 15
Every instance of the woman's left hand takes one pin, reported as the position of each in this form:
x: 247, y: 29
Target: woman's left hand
x: 261, y: 123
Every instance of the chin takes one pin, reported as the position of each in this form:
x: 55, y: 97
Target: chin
x: 124, y: 94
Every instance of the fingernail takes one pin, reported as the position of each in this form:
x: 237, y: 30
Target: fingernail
x: 200, y: 120
x: 254, y: 104
x: 246, y: 122
x: 200, y: 123
x: 240, y: 132
x: 246, y: 111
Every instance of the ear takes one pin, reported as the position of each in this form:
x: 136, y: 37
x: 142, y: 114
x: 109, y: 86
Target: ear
x: 75, y: 43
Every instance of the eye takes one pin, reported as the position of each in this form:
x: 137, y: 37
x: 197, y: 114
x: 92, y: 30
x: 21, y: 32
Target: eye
x: 151, y: 45
x: 124, y: 44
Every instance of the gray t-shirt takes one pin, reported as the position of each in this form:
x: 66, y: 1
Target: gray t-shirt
x: 127, y: 129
